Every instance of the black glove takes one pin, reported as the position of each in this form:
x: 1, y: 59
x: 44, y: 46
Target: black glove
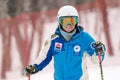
x: 99, y: 47
x: 30, y: 69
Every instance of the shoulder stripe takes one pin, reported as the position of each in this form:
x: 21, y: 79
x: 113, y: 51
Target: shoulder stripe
x: 43, y: 52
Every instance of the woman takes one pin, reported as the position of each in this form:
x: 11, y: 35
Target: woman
x: 69, y: 45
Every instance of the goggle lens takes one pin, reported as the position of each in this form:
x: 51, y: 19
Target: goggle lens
x: 68, y: 20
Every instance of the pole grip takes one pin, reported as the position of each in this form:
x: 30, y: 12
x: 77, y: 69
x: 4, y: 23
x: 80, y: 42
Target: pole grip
x: 99, y: 57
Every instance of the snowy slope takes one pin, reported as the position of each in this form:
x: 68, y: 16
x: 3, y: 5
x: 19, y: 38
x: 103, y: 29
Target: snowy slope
x: 111, y: 65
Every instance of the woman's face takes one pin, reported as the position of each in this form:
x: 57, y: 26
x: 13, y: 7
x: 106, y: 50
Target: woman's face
x: 68, y: 22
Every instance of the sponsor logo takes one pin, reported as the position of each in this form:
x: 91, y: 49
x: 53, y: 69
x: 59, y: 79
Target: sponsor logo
x: 58, y: 47
x: 77, y: 50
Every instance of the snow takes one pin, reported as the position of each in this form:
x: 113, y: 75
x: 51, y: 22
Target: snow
x: 111, y: 65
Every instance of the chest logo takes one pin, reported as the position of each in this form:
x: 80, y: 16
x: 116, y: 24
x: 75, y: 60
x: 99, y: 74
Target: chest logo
x: 77, y: 48
x: 58, y: 47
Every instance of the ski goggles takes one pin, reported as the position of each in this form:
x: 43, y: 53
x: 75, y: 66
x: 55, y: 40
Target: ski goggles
x: 68, y: 20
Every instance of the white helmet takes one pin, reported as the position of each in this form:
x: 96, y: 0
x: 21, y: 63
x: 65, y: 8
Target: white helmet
x: 67, y: 11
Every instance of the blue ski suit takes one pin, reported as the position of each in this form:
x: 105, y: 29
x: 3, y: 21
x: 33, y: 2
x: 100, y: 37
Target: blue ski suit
x: 69, y: 56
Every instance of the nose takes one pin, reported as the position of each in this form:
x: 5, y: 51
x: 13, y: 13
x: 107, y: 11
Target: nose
x: 68, y: 25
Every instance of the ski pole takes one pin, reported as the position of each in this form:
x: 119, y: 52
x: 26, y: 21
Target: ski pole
x: 100, y: 64
x: 29, y: 77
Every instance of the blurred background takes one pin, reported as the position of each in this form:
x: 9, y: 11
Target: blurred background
x: 26, y: 24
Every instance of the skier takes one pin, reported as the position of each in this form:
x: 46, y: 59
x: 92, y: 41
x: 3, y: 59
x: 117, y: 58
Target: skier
x: 69, y: 45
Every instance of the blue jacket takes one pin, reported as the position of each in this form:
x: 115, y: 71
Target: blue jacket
x: 69, y: 56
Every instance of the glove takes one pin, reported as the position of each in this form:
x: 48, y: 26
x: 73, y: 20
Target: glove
x: 99, y: 47
x: 30, y: 69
